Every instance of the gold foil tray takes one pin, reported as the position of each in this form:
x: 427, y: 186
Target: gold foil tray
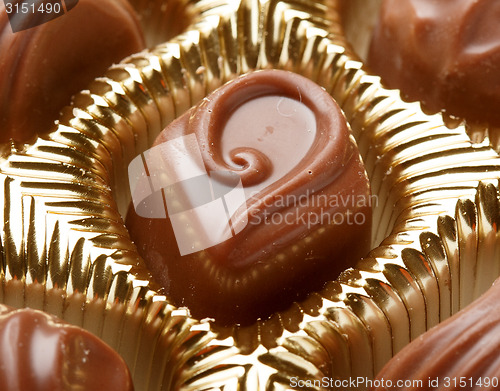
x: 65, y: 248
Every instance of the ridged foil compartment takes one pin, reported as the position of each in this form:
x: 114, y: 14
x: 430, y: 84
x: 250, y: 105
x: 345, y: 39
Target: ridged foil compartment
x: 65, y: 248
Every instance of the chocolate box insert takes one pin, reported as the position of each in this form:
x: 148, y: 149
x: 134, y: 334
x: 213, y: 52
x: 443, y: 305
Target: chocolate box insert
x: 72, y: 236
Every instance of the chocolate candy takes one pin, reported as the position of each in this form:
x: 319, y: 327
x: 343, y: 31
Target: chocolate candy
x: 444, y: 53
x: 461, y: 353
x: 266, y: 197
x: 40, y: 352
x: 43, y: 66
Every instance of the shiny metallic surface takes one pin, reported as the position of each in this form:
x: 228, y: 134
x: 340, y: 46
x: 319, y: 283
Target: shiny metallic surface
x: 65, y: 248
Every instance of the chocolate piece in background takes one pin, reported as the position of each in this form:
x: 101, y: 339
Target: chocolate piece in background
x: 43, y: 66
x: 303, y: 180
x: 41, y: 352
x: 463, y: 352
x: 445, y: 54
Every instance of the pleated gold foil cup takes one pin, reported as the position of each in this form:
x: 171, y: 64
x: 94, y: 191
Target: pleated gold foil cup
x: 66, y: 250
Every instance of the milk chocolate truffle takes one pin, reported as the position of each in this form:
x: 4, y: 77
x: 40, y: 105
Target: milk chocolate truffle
x: 266, y: 198
x: 41, y: 67
x: 462, y: 353
x: 443, y: 53
x: 40, y: 352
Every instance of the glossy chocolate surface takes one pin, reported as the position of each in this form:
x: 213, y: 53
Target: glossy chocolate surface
x: 462, y: 352
x: 306, y: 211
x: 40, y: 352
x: 43, y: 66
x: 443, y: 53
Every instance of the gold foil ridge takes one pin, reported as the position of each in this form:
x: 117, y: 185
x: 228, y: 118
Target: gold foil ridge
x: 360, y: 327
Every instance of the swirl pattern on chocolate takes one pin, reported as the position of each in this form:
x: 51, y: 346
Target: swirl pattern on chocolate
x: 305, y: 215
